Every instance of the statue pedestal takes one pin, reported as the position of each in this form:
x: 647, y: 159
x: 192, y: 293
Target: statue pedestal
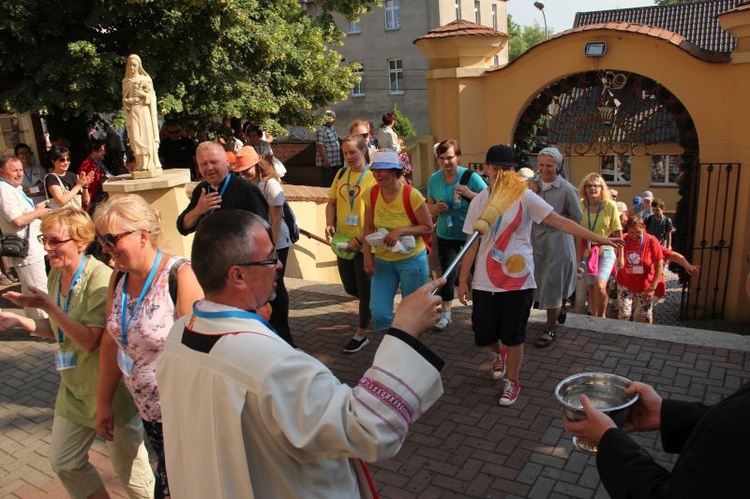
x: 141, y: 174
x: 167, y: 194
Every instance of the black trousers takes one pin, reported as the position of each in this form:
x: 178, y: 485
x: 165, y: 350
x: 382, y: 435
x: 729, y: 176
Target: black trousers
x: 357, y: 283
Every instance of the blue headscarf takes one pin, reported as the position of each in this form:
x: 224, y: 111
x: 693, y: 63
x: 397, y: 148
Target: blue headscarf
x: 554, y: 153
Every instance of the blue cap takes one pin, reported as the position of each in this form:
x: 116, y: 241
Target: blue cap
x: 382, y: 160
x: 637, y: 201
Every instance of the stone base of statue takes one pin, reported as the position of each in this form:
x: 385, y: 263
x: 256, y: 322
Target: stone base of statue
x: 139, y: 174
x: 166, y: 193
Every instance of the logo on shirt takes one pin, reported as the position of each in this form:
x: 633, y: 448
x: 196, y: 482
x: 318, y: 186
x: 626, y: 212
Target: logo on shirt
x: 507, y: 271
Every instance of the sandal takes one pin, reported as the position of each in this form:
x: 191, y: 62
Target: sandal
x: 545, y: 339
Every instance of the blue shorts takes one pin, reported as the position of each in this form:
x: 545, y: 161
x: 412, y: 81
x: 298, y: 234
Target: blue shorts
x: 607, y: 257
x: 500, y: 316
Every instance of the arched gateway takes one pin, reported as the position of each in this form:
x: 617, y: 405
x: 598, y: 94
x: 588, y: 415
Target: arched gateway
x: 654, y: 112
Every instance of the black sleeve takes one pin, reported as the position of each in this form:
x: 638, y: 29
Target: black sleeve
x: 193, y: 201
x: 677, y: 422
x: 417, y: 345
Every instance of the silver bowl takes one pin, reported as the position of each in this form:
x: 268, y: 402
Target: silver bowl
x: 606, y: 391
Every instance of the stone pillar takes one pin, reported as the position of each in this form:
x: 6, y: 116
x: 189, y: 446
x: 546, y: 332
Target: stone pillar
x: 167, y: 194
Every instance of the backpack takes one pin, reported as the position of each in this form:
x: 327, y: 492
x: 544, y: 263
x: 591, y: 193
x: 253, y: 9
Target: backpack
x: 172, y: 277
x: 406, y: 198
x: 291, y: 223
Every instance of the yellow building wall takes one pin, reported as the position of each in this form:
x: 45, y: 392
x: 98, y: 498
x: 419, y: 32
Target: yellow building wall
x: 483, y: 110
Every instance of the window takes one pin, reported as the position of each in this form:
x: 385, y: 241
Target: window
x: 458, y: 9
x: 615, y: 170
x: 477, y: 12
x: 396, y: 76
x: 392, y: 15
x: 494, y: 16
x: 353, y: 27
x: 665, y: 168
x: 359, y: 88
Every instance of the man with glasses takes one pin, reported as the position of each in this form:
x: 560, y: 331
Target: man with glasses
x: 247, y: 415
x: 176, y: 150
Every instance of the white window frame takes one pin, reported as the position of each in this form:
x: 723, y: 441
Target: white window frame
x: 458, y: 9
x: 616, y: 169
x: 494, y: 16
x: 359, y: 88
x: 670, y: 169
x: 477, y: 12
x: 392, y: 15
x: 396, y: 75
x: 353, y: 27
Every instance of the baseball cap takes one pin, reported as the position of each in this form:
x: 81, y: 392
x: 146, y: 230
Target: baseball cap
x: 526, y: 173
x: 637, y: 201
x: 648, y: 195
x: 501, y: 155
x: 385, y: 161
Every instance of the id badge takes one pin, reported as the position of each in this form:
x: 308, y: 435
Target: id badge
x: 125, y: 362
x: 65, y: 360
x: 637, y: 269
x: 449, y: 221
x: 352, y: 219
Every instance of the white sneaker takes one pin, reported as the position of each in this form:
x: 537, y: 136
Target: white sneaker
x: 442, y: 323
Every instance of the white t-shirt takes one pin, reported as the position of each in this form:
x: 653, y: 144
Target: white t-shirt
x: 274, y: 194
x: 505, y: 260
x: 13, y: 204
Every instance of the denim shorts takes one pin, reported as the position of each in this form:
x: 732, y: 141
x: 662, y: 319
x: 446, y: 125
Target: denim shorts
x: 607, y: 257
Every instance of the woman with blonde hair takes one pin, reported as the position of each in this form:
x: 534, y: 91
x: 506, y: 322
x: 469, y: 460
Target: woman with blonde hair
x: 600, y: 216
x: 75, y: 301
x: 147, y: 293
x: 261, y: 173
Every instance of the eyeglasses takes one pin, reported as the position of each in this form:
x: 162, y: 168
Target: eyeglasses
x: 63, y: 159
x: 111, y: 240
x: 53, y: 242
x: 593, y: 186
x: 268, y: 262
x: 446, y: 158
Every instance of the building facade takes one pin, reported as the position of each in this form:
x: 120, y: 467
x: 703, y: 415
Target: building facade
x: 393, y: 68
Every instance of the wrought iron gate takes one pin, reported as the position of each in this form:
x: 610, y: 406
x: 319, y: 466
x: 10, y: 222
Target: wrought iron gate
x: 713, y: 200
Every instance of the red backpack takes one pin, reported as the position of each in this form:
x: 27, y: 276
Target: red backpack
x: 406, y: 198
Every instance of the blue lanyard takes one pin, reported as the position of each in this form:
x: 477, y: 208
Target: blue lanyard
x: 25, y: 197
x: 352, y: 191
x: 224, y: 186
x: 231, y: 314
x: 588, y: 212
x: 640, y: 244
x: 124, y: 319
x: 76, y: 276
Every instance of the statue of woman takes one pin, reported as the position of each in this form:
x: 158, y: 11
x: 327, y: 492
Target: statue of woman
x: 139, y: 102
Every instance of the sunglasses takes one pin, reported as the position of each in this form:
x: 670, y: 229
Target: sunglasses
x: 53, y: 242
x: 111, y: 240
x: 268, y: 262
x: 593, y: 186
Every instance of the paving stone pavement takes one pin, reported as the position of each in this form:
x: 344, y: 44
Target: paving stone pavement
x: 466, y: 445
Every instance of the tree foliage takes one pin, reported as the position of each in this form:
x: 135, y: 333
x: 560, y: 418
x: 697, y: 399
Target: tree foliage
x: 404, y: 127
x: 522, y: 38
x: 265, y: 59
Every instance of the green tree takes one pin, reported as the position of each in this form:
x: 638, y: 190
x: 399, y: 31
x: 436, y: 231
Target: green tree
x: 269, y: 60
x: 522, y: 38
x: 404, y: 128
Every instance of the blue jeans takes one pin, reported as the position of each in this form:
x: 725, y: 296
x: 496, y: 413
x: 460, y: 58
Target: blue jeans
x: 410, y: 273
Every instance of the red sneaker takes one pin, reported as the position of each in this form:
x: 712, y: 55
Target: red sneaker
x: 510, y: 392
x: 498, y: 363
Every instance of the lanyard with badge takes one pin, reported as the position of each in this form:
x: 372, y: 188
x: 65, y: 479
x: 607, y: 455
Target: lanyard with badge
x: 352, y: 191
x: 453, y: 201
x: 66, y: 360
x: 224, y: 186
x: 635, y: 258
x: 592, y: 227
x: 124, y: 360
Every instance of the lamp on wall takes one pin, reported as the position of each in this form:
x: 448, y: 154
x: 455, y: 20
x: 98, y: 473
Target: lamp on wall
x: 540, y: 7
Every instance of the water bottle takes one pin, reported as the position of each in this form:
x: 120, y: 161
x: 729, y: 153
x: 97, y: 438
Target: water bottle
x: 457, y: 200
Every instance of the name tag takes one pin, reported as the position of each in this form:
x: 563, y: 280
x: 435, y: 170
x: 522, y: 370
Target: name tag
x: 352, y: 219
x: 125, y: 362
x: 34, y: 189
x: 449, y: 221
x: 65, y: 360
x: 636, y: 269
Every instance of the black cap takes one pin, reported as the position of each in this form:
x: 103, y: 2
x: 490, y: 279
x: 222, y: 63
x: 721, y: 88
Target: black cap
x: 502, y: 155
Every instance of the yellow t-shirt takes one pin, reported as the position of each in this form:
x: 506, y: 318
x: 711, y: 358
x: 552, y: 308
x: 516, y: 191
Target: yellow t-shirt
x: 339, y: 192
x: 607, y: 222
x: 392, y: 215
